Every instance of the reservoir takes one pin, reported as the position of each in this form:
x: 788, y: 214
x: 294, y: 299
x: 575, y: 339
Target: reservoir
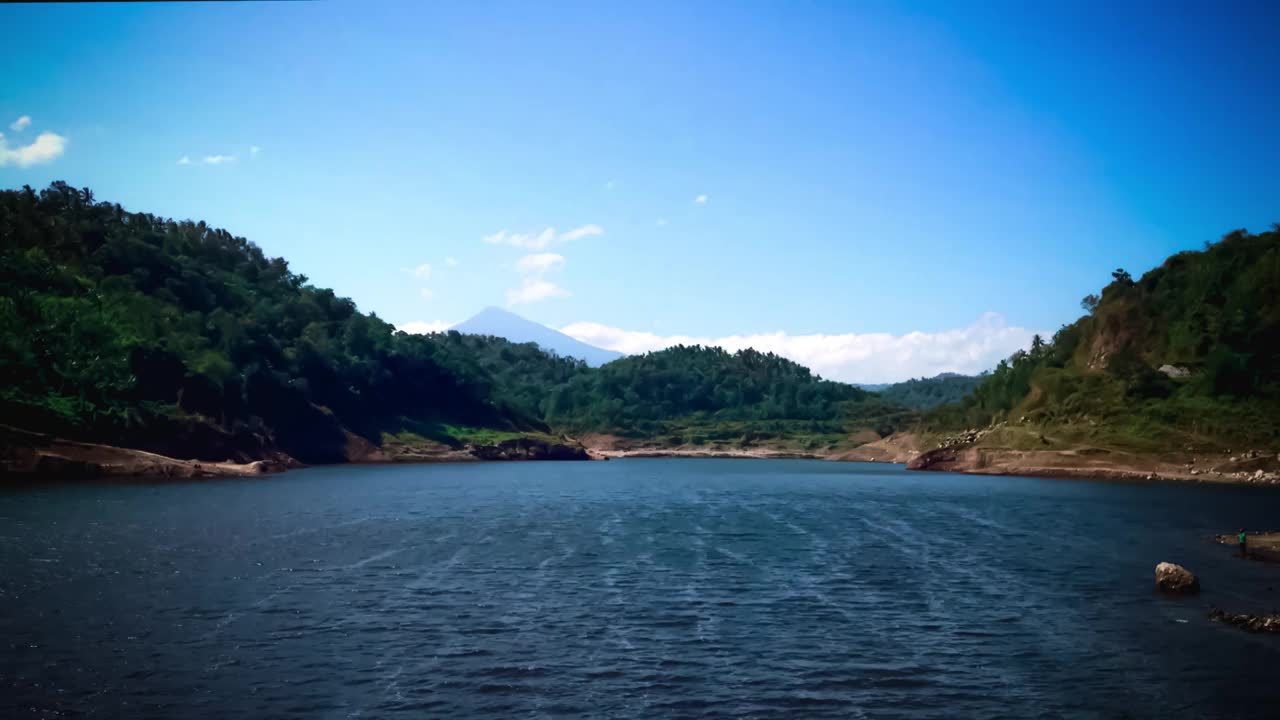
x: 639, y: 588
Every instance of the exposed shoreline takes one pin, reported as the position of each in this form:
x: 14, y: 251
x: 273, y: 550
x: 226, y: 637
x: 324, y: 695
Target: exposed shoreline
x: 1101, y: 464
x: 35, y: 456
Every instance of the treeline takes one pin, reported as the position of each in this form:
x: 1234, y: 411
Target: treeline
x: 636, y: 395
x: 139, y: 329
x: 638, y: 391
x: 1192, y: 349
x: 185, y: 339
x: 928, y: 393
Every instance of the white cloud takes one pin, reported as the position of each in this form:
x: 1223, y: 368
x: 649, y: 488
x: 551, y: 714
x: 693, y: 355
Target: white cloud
x: 20, y: 124
x: 701, y: 199
x: 254, y: 150
x: 534, y: 266
x: 420, y: 327
x: 584, y: 231
x: 422, y: 271
x: 534, y: 289
x: 541, y: 240
x: 660, y: 222
x: 47, y: 147
x: 426, y: 294
x: 539, y: 263
x: 850, y: 357
x: 451, y: 261
x: 218, y: 159
x: 184, y: 160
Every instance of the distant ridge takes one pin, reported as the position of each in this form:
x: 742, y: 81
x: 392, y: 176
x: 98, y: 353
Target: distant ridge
x: 505, y: 324
x: 925, y: 393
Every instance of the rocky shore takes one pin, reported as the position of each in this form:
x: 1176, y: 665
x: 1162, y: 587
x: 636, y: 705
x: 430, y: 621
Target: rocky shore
x: 980, y: 451
x: 35, y: 455
x: 1268, y: 623
x: 31, y: 455
x: 745, y: 453
x: 976, y: 451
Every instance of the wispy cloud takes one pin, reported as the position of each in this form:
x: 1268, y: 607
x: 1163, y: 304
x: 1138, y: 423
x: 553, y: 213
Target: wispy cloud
x: 660, y: 222
x: 254, y: 150
x: 535, y: 286
x: 422, y: 271
x: 426, y: 294
x: 850, y: 357
x: 701, y: 199
x: 421, y: 327
x: 184, y: 160
x: 609, y: 185
x: 218, y: 159
x: 534, y: 289
x: 539, y: 263
x: 541, y: 240
x: 46, y: 148
x: 451, y: 261
x: 20, y: 124
x: 584, y: 231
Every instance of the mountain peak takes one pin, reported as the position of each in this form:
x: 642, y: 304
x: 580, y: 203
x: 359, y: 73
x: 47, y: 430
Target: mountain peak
x: 506, y: 324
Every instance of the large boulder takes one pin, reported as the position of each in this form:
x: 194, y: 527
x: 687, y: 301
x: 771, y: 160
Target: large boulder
x: 1171, y: 578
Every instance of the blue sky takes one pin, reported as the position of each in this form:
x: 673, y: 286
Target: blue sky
x: 890, y: 189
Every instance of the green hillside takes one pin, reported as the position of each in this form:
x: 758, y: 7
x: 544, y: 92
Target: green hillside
x: 1187, y: 355
x: 928, y: 393
x: 176, y: 337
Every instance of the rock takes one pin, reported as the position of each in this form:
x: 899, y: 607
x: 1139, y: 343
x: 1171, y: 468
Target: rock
x: 1175, y: 579
x: 529, y: 449
x: 1257, y: 475
x: 1195, y: 471
x: 1252, y: 623
x: 1175, y: 372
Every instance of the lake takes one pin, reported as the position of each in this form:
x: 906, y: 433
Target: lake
x: 636, y: 588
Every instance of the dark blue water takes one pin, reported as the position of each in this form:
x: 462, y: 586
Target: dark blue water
x: 636, y: 588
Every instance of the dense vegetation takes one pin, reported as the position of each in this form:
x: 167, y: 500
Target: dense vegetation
x: 185, y: 339
x: 759, y: 390
x: 182, y: 337
x: 928, y: 393
x: 1210, y: 319
x: 681, y: 394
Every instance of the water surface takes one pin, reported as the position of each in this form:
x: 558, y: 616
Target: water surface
x: 635, y: 588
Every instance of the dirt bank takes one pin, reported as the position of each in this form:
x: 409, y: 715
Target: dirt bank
x: 1094, y: 463
x: 603, y: 446
x: 1259, y: 545
x: 27, y: 454
x: 707, y: 452
x: 897, y: 448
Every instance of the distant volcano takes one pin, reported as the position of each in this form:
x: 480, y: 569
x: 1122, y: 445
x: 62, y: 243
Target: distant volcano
x: 504, y: 324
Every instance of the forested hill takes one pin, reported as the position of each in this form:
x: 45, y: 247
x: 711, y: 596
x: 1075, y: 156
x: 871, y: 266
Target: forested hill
x: 1187, y: 355
x: 176, y: 336
x: 927, y: 393
x: 173, y: 336
x: 759, y: 390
